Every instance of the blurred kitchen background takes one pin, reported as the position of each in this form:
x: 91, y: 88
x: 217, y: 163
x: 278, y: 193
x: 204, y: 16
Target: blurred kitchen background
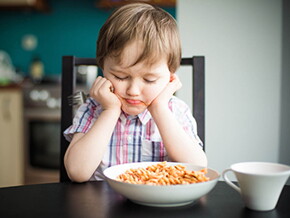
x: 34, y: 35
x: 247, y: 50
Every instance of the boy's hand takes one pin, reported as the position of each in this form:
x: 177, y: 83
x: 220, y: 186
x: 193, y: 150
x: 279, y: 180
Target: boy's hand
x: 102, y: 92
x: 163, y: 98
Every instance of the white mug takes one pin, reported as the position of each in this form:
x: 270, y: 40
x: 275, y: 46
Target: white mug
x: 260, y: 183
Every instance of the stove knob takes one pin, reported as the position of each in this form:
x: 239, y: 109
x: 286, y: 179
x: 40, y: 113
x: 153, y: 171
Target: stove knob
x: 51, y: 103
x: 43, y: 95
x: 34, y: 95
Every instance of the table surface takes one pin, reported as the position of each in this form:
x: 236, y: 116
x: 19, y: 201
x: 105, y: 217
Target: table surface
x: 97, y: 199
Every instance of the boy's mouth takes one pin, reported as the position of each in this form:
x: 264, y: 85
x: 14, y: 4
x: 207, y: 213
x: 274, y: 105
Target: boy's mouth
x: 134, y: 102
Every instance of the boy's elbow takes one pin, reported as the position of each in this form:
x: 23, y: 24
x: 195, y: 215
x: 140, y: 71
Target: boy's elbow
x: 203, y: 161
x: 200, y: 160
x: 77, y: 174
x: 78, y: 177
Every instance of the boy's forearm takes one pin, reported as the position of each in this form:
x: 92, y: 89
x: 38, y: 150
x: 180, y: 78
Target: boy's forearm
x: 84, y: 155
x: 179, y: 146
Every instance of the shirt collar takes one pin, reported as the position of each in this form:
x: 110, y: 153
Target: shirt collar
x: 144, y: 117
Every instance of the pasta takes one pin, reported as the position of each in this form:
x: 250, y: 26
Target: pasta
x: 162, y: 174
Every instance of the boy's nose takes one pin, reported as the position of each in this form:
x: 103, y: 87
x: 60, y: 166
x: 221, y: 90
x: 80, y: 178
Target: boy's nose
x: 133, y: 88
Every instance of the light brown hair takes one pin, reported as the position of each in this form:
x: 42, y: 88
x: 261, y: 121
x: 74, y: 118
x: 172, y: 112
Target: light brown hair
x: 153, y: 26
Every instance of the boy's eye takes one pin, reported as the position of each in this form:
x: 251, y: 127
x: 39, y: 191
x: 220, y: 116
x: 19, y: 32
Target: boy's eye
x: 150, y: 80
x: 120, y: 78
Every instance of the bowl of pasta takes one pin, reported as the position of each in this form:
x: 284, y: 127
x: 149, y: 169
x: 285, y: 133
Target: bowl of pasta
x: 161, y: 184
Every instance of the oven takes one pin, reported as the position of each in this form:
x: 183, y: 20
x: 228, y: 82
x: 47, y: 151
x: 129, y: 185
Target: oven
x: 42, y: 133
x: 42, y: 111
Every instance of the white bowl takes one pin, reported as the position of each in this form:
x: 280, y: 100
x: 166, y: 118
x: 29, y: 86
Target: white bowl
x: 161, y: 195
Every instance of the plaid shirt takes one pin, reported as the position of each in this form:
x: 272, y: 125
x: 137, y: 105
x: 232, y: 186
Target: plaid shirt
x: 135, y: 138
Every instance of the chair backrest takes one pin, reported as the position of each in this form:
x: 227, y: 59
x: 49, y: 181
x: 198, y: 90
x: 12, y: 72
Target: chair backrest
x: 69, y: 78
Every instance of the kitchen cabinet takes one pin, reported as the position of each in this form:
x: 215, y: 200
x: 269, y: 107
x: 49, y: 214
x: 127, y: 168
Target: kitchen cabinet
x: 11, y: 137
x: 24, y: 5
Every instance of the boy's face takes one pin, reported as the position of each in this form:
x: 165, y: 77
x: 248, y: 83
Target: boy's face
x: 138, y: 85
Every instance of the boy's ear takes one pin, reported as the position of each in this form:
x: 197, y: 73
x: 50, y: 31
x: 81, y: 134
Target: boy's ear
x: 172, y: 76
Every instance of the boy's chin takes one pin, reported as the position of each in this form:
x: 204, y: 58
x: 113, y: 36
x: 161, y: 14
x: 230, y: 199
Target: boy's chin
x: 133, y: 111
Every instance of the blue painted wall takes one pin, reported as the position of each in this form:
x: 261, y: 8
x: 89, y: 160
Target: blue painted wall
x: 71, y: 28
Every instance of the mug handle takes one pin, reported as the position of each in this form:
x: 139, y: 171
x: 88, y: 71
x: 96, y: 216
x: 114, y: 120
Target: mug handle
x: 228, y: 181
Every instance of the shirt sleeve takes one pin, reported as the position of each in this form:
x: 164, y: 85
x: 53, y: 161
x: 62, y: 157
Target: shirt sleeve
x: 84, y: 118
x: 184, y: 116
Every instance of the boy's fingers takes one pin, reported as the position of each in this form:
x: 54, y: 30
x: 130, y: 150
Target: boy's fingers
x: 107, y: 85
x: 97, y: 85
x: 97, y: 82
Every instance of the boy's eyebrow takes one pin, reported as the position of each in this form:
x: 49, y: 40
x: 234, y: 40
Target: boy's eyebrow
x: 151, y: 73
x: 116, y: 70
x: 155, y: 73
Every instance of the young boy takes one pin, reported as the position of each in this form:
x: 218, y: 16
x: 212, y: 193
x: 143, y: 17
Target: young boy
x: 132, y: 115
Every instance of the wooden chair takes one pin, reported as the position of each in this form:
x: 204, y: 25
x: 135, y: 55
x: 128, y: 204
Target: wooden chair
x: 69, y: 78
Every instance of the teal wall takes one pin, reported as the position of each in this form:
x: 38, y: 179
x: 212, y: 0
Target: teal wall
x: 71, y: 28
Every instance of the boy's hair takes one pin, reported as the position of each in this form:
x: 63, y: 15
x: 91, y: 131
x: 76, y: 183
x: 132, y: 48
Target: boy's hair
x: 153, y: 26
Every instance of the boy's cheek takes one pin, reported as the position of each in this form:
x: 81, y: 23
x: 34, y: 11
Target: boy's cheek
x: 154, y: 95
